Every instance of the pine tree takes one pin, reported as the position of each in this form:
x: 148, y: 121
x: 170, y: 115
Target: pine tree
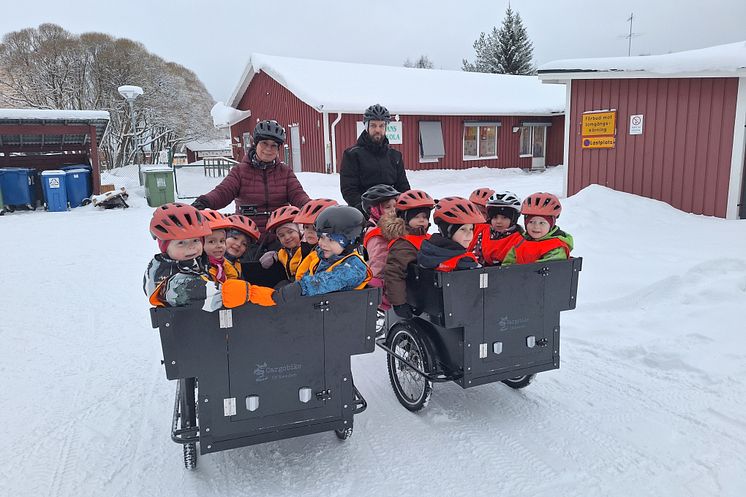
x: 423, y: 62
x: 504, y: 51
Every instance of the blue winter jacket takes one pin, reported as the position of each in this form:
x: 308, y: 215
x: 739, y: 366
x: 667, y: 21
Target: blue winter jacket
x: 346, y: 276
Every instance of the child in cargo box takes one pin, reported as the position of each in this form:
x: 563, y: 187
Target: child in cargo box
x: 214, y: 246
x: 503, y: 210
x: 293, y: 250
x: 543, y: 239
x: 242, y: 232
x: 307, y: 215
x: 448, y: 250
x: 178, y: 275
x: 406, y: 231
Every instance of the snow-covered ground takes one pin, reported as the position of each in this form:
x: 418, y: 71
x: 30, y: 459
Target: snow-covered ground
x: 649, y: 400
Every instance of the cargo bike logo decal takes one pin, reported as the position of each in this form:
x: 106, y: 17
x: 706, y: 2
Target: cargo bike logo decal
x: 505, y: 324
x: 263, y: 372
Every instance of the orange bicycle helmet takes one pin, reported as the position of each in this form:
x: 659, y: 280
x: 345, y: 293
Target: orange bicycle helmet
x: 283, y: 215
x: 216, y: 220
x: 414, y: 199
x: 457, y: 210
x: 480, y: 196
x: 244, y: 225
x: 176, y: 221
x: 541, y: 204
x: 311, y: 210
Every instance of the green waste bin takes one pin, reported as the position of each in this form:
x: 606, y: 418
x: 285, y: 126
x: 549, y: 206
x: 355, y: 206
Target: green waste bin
x: 159, y: 185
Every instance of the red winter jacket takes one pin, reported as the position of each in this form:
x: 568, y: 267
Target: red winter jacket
x: 267, y: 189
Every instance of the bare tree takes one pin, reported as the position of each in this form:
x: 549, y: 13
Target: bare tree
x: 423, y: 62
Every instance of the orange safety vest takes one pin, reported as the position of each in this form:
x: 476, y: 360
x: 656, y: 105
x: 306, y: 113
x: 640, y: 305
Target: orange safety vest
x: 482, y: 229
x: 494, y: 251
x: 312, y: 261
x: 529, y: 251
x: 415, y: 240
x: 370, y: 234
x: 450, y: 264
x: 291, y: 263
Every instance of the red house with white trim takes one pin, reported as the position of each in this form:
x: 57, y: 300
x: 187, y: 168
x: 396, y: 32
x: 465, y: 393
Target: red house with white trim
x: 444, y: 119
x: 680, y: 126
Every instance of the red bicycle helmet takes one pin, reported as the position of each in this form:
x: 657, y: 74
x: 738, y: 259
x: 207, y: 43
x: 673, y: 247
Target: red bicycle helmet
x: 283, y: 215
x: 311, y: 210
x: 414, y: 199
x: 216, y: 220
x: 457, y: 210
x: 541, y: 204
x: 480, y: 196
x: 176, y: 221
x: 244, y: 225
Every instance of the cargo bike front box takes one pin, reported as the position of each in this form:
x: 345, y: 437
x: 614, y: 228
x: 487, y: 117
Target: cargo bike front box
x: 479, y: 326
x: 256, y: 374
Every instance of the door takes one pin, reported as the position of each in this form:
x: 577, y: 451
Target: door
x: 295, y: 148
x: 538, y: 147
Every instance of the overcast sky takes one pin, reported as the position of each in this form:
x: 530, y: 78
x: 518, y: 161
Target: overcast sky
x: 215, y: 38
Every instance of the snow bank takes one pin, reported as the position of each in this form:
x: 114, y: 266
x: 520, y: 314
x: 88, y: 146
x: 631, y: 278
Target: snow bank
x: 350, y: 88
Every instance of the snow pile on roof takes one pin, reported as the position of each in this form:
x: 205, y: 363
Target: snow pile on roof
x: 350, y: 88
x: 726, y: 59
x: 53, y: 115
x: 204, y: 146
x: 224, y: 116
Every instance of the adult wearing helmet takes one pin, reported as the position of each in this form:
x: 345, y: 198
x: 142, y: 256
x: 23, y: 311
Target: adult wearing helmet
x: 260, y: 179
x: 371, y: 161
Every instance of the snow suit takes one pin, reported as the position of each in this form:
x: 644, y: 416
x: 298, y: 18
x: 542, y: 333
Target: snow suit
x: 556, y: 245
x: 251, y: 182
x: 367, y: 164
x: 402, y: 252
x: 443, y: 254
x: 346, y: 271
x: 176, y: 283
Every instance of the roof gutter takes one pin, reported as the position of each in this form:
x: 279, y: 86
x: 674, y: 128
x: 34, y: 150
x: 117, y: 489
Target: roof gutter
x: 334, y: 142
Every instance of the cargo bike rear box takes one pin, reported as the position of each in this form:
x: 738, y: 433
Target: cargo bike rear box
x: 265, y: 373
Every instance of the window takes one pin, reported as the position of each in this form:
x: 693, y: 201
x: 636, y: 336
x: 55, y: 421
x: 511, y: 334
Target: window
x: 246, y: 143
x: 533, y: 136
x: 431, y: 141
x: 480, y: 141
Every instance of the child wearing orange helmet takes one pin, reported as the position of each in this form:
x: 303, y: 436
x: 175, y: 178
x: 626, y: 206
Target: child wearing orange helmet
x: 448, y: 250
x: 406, y: 231
x: 542, y: 240
x: 307, y: 215
x: 178, y: 275
x: 293, y: 250
x: 240, y: 235
x: 214, y: 246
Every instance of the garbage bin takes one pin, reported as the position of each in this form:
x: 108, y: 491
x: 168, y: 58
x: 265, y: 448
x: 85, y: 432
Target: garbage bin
x: 2, y: 205
x: 159, y: 185
x: 18, y: 187
x: 78, y: 185
x: 55, y: 191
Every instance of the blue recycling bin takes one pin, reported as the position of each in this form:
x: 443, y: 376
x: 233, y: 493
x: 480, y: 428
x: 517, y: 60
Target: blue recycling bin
x: 78, y: 182
x: 53, y: 184
x: 18, y: 186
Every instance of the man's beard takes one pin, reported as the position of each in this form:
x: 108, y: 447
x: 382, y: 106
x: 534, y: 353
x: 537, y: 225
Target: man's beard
x: 376, y: 138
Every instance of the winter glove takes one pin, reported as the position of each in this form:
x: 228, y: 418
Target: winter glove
x: 404, y: 311
x: 199, y: 205
x: 238, y: 292
x: 288, y: 293
x: 268, y: 259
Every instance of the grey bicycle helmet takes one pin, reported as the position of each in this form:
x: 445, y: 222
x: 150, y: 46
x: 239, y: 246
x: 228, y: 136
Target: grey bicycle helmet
x: 377, y: 194
x: 269, y: 129
x: 377, y: 112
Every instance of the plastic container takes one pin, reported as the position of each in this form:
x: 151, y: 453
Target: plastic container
x: 18, y: 187
x: 78, y: 185
x: 53, y: 184
x: 159, y: 185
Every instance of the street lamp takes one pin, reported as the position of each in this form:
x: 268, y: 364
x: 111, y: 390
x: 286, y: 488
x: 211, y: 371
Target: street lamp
x: 130, y: 94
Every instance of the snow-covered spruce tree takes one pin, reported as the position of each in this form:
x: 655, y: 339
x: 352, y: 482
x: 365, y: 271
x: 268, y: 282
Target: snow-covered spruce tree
x: 507, y: 50
x: 423, y: 62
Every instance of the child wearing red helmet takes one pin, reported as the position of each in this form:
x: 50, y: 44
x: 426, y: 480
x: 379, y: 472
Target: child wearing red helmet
x: 448, y: 250
x: 543, y: 240
x: 307, y: 215
x: 178, y: 275
x: 406, y: 231
x: 214, y: 246
x: 293, y: 250
x: 240, y: 235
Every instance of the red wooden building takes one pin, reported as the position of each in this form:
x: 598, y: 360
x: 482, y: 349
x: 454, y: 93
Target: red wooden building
x: 444, y: 119
x: 198, y: 150
x: 679, y: 129
x: 47, y: 139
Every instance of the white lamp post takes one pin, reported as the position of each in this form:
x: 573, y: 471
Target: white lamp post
x: 130, y: 94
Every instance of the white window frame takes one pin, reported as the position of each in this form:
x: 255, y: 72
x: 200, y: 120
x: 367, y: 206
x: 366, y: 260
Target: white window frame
x: 423, y: 160
x: 477, y: 125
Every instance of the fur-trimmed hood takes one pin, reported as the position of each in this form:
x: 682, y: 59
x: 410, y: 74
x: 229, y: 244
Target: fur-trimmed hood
x: 392, y: 227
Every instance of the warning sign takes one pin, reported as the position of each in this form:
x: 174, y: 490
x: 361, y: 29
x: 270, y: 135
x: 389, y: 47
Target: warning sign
x: 599, y: 123
x: 599, y: 142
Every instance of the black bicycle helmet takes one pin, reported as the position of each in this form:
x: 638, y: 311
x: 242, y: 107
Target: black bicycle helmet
x: 377, y: 194
x: 269, y: 130
x: 341, y: 220
x: 377, y: 112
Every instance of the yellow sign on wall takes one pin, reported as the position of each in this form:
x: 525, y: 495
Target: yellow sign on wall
x: 599, y: 123
x: 599, y: 141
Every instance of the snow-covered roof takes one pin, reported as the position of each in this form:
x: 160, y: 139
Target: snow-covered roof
x: 350, y: 88
x: 54, y: 115
x: 721, y: 60
x: 204, y: 146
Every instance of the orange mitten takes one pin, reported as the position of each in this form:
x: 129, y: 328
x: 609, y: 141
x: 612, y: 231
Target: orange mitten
x: 239, y: 292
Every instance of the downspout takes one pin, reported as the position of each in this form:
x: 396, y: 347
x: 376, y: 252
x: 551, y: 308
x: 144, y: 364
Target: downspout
x: 327, y: 144
x: 334, y: 142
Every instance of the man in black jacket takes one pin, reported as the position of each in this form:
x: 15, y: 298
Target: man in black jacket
x: 371, y: 161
